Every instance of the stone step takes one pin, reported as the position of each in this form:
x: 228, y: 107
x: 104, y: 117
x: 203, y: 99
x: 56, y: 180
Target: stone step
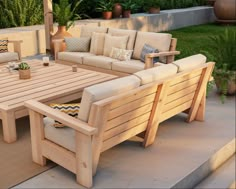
x: 223, y: 177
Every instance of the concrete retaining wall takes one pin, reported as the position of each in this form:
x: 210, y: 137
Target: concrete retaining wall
x: 34, y: 36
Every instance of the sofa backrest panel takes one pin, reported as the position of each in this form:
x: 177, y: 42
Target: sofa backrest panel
x: 122, y: 32
x: 87, y: 31
x: 156, y: 73
x: 160, y: 41
x: 185, y: 91
x: 105, y: 90
x: 128, y: 116
x: 190, y: 62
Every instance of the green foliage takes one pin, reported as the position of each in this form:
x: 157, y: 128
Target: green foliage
x: 15, y: 13
x: 152, y: 3
x: 176, y: 4
x: 217, y: 43
x: 64, y: 13
x: 104, y: 5
x: 222, y: 50
x: 129, y: 5
x: 23, y: 66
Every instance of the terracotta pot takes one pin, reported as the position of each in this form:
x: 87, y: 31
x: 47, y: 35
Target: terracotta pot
x: 225, y: 10
x: 153, y: 10
x: 231, y: 88
x: 107, y: 15
x: 24, y: 74
x: 60, y: 34
x: 211, y: 2
x: 126, y: 13
x: 117, y: 10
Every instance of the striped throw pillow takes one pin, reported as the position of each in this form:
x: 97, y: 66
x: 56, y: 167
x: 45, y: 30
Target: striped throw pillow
x: 3, y: 45
x: 70, y: 109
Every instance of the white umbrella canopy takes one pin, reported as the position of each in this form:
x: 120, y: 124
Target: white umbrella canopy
x: 48, y: 22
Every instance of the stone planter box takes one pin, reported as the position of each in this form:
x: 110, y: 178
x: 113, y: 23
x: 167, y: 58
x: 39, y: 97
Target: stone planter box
x: 34, y: 36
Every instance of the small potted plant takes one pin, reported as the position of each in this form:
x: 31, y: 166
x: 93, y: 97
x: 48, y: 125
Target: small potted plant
x: 105, y: 6
x: 152, y: 6
x: 65, y: 14
x: 128, y: 6
x: 222, y: 50
x: 24, y: 70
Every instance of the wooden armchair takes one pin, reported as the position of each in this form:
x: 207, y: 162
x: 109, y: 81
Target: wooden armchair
x: 137, y: 108
x: 12, y: 56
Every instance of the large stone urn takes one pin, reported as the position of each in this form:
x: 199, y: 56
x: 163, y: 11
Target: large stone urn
x: 60, y: 34
x: 225, y: 11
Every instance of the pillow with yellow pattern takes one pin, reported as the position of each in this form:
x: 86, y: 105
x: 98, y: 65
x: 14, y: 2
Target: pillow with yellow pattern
x: 70, y: 109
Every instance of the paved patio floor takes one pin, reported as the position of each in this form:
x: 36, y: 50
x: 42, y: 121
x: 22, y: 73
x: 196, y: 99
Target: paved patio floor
x: 179, y: 149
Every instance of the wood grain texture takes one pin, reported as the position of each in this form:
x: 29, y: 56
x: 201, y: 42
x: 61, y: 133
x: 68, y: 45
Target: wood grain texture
x: 55, y: 83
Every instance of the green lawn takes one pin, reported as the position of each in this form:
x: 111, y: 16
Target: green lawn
x: 194, y: 39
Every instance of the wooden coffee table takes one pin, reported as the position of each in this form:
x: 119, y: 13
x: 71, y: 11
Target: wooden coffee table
x: 55, y: 83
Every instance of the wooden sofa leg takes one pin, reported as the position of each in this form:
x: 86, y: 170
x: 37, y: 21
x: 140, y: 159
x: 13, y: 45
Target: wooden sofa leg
x: 84, y: 173
x: 202, y: 108
x: 37, y: 135
x: 150, y: 136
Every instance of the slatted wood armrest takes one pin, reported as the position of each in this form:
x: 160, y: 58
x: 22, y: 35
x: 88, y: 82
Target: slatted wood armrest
x: 168, y: 53
x: 16, y: 46
x: 71, y: 122
x: 149, y: 57
x: 57, y: 46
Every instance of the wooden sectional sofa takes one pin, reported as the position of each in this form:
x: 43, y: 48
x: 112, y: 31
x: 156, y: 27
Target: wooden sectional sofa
x: 12, y: 56
x: 114, y: 111
x: 100, y: 61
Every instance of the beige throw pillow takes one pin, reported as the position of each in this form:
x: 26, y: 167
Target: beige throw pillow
x: 76, y: 44
x: 114, y: 41
x: 97, y: 43
x: 121, y: 54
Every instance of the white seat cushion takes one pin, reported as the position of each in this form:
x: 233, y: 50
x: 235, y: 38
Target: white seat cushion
x: 8, y: 56
x: 105, y: 90
x: 76, y: 57
x: 190, y: 62
x: 99, y: 61
x: 65, y: 136
x: 130, y: 66
x: 156, y: 73
x: 160, y: 41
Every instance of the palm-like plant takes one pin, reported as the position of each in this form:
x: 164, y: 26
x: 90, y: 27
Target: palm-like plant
x: 64, y: 13
x: 105, y: 5
x: 222, y: 50
x: 21, y: 12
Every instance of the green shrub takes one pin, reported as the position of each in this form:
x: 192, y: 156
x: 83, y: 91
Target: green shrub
x: 15, y: 13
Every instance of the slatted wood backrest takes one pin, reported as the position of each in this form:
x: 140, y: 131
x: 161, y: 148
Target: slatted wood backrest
x: 121, y: 117
x: 183, y: 90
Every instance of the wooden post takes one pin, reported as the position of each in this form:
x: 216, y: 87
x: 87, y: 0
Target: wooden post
x: 48, y: 22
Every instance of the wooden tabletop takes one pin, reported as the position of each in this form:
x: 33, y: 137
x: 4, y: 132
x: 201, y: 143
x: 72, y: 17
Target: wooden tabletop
x: 53, y: 81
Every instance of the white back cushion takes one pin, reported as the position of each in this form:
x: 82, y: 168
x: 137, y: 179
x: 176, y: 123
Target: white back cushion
x: 190, y: 62
x: 156, y: 73
x: 87, y: 31
x: 160, y: 41
x: 122, y: 32
x: 105, y: 90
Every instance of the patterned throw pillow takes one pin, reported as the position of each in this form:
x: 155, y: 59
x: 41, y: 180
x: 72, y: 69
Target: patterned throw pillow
x: 146, y: 50
x: 76, y: 44
x: 3, y: 45
x: 121, y: 54
x: 70, y: 109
